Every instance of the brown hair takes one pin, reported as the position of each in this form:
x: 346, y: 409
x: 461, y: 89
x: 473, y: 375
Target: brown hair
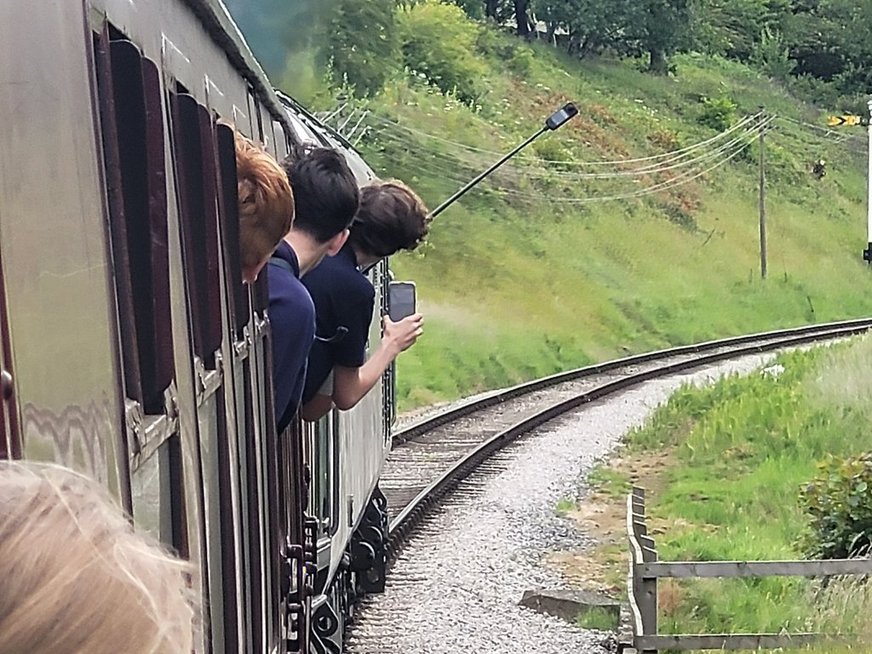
x: 266, y: 203
x: 391, y: 218
x: 76, y: 578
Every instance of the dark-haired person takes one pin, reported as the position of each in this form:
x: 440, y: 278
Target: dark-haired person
x: 326, y: 197
x: 391, y: 218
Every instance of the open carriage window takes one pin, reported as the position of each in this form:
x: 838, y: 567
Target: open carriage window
x: 132, y: 135
x: 133, y: 149
x: 197, y: 189
x: 229, y: 212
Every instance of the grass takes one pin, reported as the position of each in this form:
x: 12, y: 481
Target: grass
x: 613, y: 483
x: 742, y: 450
x: 596, y: 618
x: 564, y: 506
x: 519, y: 285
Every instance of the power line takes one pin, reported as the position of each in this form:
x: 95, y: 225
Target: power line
x: 673, y: 163
x: 736, y: 146
x: 665, y: 155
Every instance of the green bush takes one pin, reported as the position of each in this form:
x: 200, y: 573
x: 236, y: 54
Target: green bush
x: 518, y: 57
x: 438, y: 44
x: 718, y: 113
x: 814, y: 90
x: 771, y: 55
x: 838, y: 503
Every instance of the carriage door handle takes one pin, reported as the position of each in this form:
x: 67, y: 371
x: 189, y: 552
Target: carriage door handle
x: 5, y: 385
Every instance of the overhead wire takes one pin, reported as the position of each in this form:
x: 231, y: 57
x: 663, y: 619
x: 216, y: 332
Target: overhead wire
x: 571, y: 163
x: 737, y: 146
x: 679, y: 180
x: 811, y: 126
x: 466, y: 147
x: 666, y: 165
x: 794, y: 137
x: 821, y: 133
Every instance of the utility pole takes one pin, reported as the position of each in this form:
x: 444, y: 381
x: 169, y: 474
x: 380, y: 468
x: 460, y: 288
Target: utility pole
x: 763, y: 194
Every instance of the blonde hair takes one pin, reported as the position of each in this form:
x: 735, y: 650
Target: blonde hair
x: 76, y: 578
x: 266, y: 202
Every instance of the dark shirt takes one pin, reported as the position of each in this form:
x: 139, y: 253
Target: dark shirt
x: 343, y: 299
x: 292, y: 316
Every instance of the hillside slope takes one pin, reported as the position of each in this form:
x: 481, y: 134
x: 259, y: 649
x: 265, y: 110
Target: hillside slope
x: 534, y: 272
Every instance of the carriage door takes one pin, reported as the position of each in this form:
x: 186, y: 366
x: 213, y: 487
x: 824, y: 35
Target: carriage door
x: 196, y: 156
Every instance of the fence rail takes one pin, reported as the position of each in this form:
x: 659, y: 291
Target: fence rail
x: 645, y: 569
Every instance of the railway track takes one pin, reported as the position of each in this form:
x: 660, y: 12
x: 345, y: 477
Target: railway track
x: 430, y: 457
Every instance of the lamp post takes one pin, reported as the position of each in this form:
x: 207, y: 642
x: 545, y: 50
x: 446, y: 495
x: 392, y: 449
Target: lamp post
x: 553, y: 122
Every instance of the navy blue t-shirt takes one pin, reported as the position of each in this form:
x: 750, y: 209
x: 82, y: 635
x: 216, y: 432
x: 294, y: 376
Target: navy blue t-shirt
x: 292, y: 316
x: 343, y: 299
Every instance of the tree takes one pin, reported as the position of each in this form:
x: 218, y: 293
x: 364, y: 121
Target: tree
x: 591, y: 25
x: 522, y: 20
x: 360, y: 43
x: 663, y: 28
x: 733, y: 28
x: 272, y: 27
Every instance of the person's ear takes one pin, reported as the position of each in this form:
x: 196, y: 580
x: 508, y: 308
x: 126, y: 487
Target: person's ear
x: 335, y: 244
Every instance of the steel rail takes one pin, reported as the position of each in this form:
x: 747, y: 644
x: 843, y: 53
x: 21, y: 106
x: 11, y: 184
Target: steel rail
x: 498, y: 397
x: 408, y: 518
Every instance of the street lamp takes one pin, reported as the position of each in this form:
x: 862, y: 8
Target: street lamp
x: 553, y: 122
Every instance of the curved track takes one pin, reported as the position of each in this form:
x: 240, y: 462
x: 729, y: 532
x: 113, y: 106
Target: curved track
x: 430, y: 457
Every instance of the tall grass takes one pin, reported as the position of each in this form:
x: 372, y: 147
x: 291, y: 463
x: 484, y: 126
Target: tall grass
x: 744, y: 447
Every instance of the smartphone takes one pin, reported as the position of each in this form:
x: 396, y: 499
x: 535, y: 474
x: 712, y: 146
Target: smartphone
x: 401, y: 300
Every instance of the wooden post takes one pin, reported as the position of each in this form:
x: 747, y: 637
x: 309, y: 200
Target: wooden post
x: 648, y: 599
x: 645, y: 587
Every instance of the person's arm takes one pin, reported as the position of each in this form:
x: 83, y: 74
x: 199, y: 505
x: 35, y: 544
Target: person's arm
x: 316, y: 408
x: 351, y: 384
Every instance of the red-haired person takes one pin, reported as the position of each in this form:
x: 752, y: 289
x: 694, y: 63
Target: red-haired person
x: 266, y: 206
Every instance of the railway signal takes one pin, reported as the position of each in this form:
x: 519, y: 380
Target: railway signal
x: 867, y: 253
x: 553, y: 122
x: 850, y: 120
x: 853, y: 120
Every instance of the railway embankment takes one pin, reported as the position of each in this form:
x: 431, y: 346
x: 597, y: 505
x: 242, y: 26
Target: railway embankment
x: 768, y: 466
x: 633, y: 228
x: 539, y: 271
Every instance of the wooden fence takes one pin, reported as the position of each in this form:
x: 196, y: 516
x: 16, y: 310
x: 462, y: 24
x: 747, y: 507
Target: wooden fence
x: 646, y: 569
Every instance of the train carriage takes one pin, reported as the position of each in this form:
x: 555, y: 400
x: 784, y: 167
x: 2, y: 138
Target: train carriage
x: 130, y: 349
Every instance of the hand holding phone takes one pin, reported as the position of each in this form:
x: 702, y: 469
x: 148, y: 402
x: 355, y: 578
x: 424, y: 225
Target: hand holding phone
x: 401, y: 335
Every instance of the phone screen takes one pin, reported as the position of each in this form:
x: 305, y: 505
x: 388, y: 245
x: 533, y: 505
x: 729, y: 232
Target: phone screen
x: 401, y: 300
